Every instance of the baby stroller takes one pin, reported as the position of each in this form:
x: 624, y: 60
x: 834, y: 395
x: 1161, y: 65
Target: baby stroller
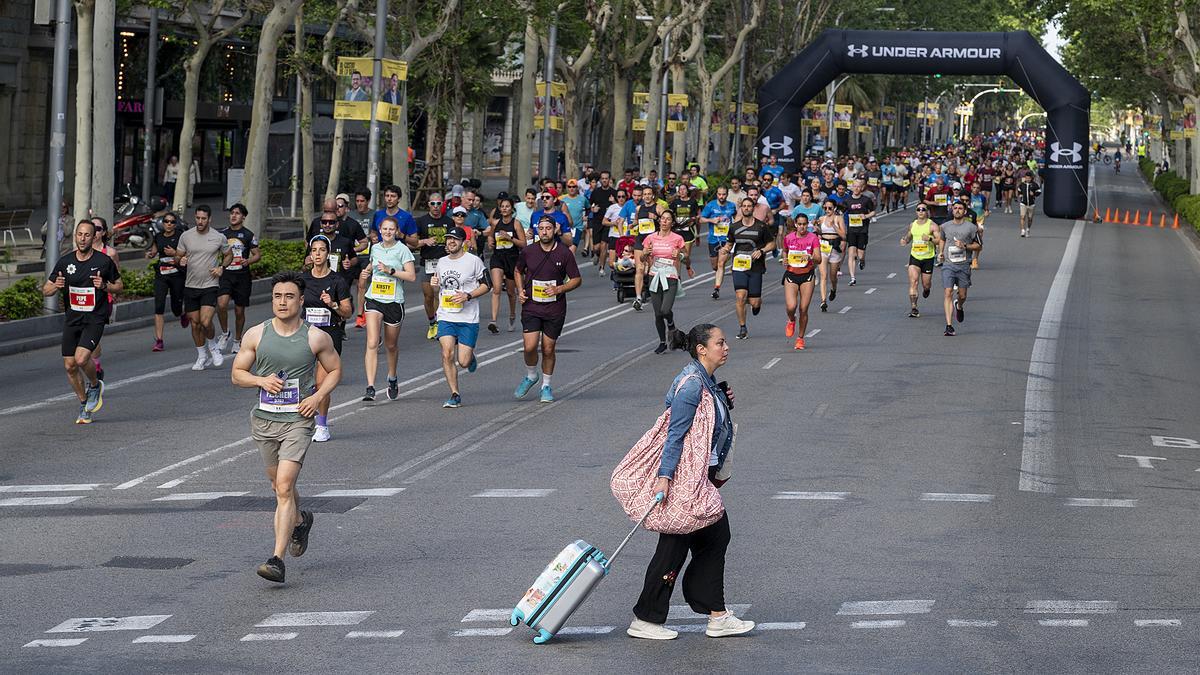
x: 624, y: 279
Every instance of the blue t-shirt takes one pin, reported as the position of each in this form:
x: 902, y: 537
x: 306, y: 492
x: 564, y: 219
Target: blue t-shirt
x: 774, y: 197
x: 813, y: 211
x: 408, y: 225
x: 889, y: 170
x: 576, y: 206
x: 559, y: 217
x: 776, y: 170
x: 476, y: 220
x: 628, y: 210
x: 714, y: 209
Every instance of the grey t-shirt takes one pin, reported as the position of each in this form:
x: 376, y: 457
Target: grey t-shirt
x: 204, y: 251
x: 968, y: 233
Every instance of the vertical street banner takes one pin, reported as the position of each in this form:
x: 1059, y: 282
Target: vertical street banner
x: 748, y: 124
x: 927, y: 110
x: 677, y: 112
x: 842, y: 116
x: 887, y: 116
x: 813, y: 115
x: 355, y: 86
x: 865, y: 119
x: 557, y: 91
x: 641, y: 108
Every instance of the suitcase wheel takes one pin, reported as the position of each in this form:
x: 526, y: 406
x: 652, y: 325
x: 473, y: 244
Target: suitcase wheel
x: 516, y: 618
x: 620, y: 295
x: 542, y: 637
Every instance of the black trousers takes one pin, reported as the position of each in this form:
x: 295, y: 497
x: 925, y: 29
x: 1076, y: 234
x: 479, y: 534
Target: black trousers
x: 703, y: 581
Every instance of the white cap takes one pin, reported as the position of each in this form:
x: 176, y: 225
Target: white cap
x: 456, y: 191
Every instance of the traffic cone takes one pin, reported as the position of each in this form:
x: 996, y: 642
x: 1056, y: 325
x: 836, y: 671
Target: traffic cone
x: 1126, y: 217
x: 1175, y: 225
x: 1137, y: 216
x: 1107, y: 217
x: 1162, y: 220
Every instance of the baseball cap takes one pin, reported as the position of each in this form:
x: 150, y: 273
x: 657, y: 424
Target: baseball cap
x: 456, y: 191
x: 456, y: 233
x: 545, y: 195
x: 572, y: 183
x: 457, y: 210
x: 344, y: 197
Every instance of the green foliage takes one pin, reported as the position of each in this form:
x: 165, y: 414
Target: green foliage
x: 22, y: 300
x: 1175, y: 191
x: 1188, y: 206
x: 278, y: 256
x: 1171, y: 186
x: 138, y: 283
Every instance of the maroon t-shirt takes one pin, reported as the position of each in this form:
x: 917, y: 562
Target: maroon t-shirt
x: 556, y: 265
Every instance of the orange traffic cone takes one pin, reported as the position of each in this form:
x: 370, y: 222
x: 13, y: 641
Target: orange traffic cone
x: 1175, y: 225
x: 1149, y: 219
x: 1137, y: 216
x: 1126, y: 217
x: 1107, y: 217
x: 1162, y: 220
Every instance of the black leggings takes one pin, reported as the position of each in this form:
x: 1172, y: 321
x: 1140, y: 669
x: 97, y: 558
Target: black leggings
x: 664, y: 303
x: 174, y: 284
x: 704, y: 580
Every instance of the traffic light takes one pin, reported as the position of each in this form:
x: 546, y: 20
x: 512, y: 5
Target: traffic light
x: 937, y: 75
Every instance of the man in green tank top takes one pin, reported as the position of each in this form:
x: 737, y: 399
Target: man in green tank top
x: 279, y: 358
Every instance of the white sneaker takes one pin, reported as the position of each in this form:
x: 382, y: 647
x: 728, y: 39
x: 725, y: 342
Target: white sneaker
x: 217, y: 357
x: 222, y: 341
x: 321, y: 434
x: 727, y: 624
x: 650, y: 631
x: 237, y: 344
x: 200, y: 361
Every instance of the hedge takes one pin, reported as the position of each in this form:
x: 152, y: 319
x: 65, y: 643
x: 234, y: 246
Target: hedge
x: 1174, y: 191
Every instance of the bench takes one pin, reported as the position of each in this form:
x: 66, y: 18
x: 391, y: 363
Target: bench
x: 13, y: 221
x: 275, y: 207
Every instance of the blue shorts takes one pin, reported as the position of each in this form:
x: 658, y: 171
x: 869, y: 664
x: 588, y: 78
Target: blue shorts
x: 467, y: 334
x: 715, y: 249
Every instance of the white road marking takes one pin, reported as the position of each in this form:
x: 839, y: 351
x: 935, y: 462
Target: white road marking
x: 587, y: 630
x: 811, y: 333
x: 1037, y: 450
x: 885, y: 623
x: 265, y: 637
x: 864, y: 607
x: 515, y: 492
x: 100, y: 624
x: 972, y: 623
x: 1070, y: 607
x: 172, y: 639
x: 683, y: 612
x: 955, y: 497
x: 811, y: 495
x: 374, y: 634
x: 1143, y: 461
x: 181, y: 463
x: 870, y: 291
x: 108, y: 386
x: 854, y: 366
x: 1063, y: 623
x: 892, y: 275
x: 38, y: 501
x: 367, y: 492
x: 772, y: 362
x: 1084, y: 501
x: 487, y: 615
x: 1146, y: 623
x: 62, y: 642
x: 291, y: 619
x: 170, y: 484
x: 782, y: 625
x: 481, y: 632
x: 1175, y: 442
x: 845, y: 309
x: 76, y: 487
x: 197, y: 496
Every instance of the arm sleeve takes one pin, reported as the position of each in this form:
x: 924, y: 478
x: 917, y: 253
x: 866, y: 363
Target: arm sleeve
x: 683, y: 412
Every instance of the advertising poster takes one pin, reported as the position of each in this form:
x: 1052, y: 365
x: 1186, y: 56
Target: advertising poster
x: 887, y: 116
x: 641, y: 108
x: 355, y: 86
x: 864, y: 122
x: 677, y: 112
x: 842, y: 116
x: 557, y: 91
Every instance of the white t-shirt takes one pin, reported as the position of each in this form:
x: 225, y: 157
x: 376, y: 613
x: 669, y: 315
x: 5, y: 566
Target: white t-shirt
x: 464, y: 274
x: 791, y: 193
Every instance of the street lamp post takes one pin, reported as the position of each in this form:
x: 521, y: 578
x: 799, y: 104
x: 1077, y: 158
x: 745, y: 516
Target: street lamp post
x: 373, y: 141
x: 548, y: 77
x: 58, y: 138
x: 662, y: 116
x: 148, y: 110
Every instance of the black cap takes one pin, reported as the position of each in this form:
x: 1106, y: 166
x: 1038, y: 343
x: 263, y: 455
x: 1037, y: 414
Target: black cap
x: 456, y: 233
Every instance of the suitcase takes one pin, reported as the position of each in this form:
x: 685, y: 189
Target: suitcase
x: 566, y: 583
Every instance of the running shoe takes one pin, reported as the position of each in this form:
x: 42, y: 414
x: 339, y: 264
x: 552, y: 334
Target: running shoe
x: 237, y: 345
x: 958, y: 311
x: 158, y: 345
x: 975, y: 264
x: 393, y: 390
x: 833, y: 294
x: 431, y: 334
x: 949, y: 331
x: 716, y: 294
x: 492, y: 328
x: 370, y: 395
x: 524, y: 387
x: 790, y: 329
x: 755, y: 310
x: 361, y: 321
x: 99, y: 371
x: 727, y: 625
x: 299, y: 542
x: 222, y: 342
x: 853, y: 281
x: 547, y: 394
x: 862, y: 263
x: 185, y: 321
x: 321, y: 434
x: 650, y: 631
x: 661, y: 348
x: 95, y: 396
x: 455, y: 401
x: 600, y: 272
x: 800, y: 343
x: 637, y: 304
x: 914, y: 314
x: 272, y: 570
x: 85, y: 417
x: 742, y: 334
x: 824, y: 306
x: 217, y: 357
x: 925, y: 293
x: 473, y: 365
x: 512, y: 322
x: 201, y: 361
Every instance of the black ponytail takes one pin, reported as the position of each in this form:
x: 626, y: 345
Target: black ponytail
x: 698, y: 335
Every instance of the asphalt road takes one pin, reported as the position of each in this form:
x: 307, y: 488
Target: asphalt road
x: 1017, y: 498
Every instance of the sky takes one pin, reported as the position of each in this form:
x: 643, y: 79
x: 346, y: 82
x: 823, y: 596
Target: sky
x: 1052, y: 41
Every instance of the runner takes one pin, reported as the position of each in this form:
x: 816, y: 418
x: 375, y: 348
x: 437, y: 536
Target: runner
x: 167, y: 277
x: 1027, y: 194
x: 832, y: 227
x: 235, y: 281
x: 937, y: 198
x: 751, y: 240
x: 602, y: 197
x: 977, y: 209
x: 718, y: 214
x: 326, y: 306
x: 802, y: 252
x: 365, y: 217
x: 811, y: 210
x: 645, y: 221
x: 662, y: 252
x: 390, y: 263
x: 205, y: 254
x: 524, y: 211
x: 1008, y: 184
x: 279, y: 359
x: 859, y: 208
x: 961, y: 238
x: 461, y: 280
x: 545, y: 274
x: 84, y: 277
x: 430, y: 240
x: 576, y: 206
x: 924, y: 240
x: 506, y: 238
x: 684, y: 210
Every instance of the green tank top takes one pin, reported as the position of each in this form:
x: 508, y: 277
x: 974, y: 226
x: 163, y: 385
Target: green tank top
x: 922, y: 247
x: 292, y: 357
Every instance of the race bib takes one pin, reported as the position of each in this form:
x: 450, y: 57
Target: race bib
x: 941, y: 199
x: 166, y: 265
x: 82, y: 298
x: 721, y: 229
x: 902, y: 182
x: 286, y: 401
x: 238, y: 249
x: 826, y: 246
x: 797, y: 258
x: 503, y: 241
x: 856, y: 220
x: 646, y: 226
x: 541, y: 291
x: 448, y: 303
x: 318, y: 316
x: 335, y: 261
x: 921, y: 246
x: 873, y: 181
x: 742, y: 262
x: 956, y: 254
x: 384, y: 286
x: 430, y: 267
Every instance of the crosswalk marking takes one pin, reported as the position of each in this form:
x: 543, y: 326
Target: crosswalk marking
x: 845, y: 309
x: 99, y: 624
x: 1070, y: 607
x: 292, y: 619
x: 884, y: 623
x: 268, y: 637
x: 170, y: 484
x: 683, y: 612
x: 172, y: 639
x: 74, y: 487
x: 811, y: 333
x: 955, y: 497
x: 514, y: 492
x: 862, y: 607
x: 481, y: 632
x: 811, y: 495
x: 782, y: 625
x: 587, y: 630
x: 771, y: 363
x: 870, y: 291
x: 38, y: 501
x: 197, y: 496
x: 62, y: 642
x: 366, y: 492
x: 1119, y: 503
x: 892, y: 275
x: 972, y: 623
x: 1143, y: 623
x: 1063, y: 623
x: 688, y: 628
x: 374, y: 634
x: 487, y: 615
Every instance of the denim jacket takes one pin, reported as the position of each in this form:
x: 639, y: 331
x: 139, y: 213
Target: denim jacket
x: 683, y: 405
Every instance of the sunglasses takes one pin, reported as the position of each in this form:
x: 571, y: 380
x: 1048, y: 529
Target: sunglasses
x: 459, y: 215
x: 328, y: 222
x: 171, y: 221
x: 435, y: 203
x: 922, y: 210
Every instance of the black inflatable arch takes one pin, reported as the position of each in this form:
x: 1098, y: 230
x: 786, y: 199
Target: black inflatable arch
x: 1017, y: 55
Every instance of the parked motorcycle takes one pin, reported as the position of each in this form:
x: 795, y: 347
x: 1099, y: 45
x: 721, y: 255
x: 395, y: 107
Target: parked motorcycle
x: 137, y: 227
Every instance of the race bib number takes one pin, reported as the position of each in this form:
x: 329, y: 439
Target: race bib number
x: 902, y: 182
x: 541, y: 291
x: 335, y: 261
x: 448, y: 303
x: 82, y: 298
x: 873, y: 181
x: 646, y: 226
x: 318, y: 316
x: 797, y: 258
x: 956, y: 254
x: 383, y: 286
x: 721, y: 229
x: 826, y: 246
x: 430, y: 267
x: 166, y: 265
x: 239, y: 250
x: 503, y: 241
x: 941, y: 199
x: 286, y: 401
x: 856, y: 220
x: 921, y: 246
x: 742, y: 262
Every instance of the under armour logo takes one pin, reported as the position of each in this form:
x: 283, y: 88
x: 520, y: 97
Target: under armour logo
x: 784, y: 148
x: 1057, y: 153
x: 857, y: 51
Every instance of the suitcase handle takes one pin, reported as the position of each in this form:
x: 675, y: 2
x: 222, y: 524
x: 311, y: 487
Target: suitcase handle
x: 657, y: 500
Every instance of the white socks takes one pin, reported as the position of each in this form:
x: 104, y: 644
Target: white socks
x: 545, y: 379
x: 531, y: 372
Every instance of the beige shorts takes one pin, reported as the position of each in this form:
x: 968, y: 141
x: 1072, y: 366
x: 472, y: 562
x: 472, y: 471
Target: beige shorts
x: 282, y: 440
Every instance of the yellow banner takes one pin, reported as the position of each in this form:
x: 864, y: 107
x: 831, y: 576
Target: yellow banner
x: 557, y: 91
x: 748, y: 124
x: 813, y: 115
x: 641, y: 108
x: 677, y: 112
x: 887, y: 115
x: 355, y: 83
x: 842, y: 114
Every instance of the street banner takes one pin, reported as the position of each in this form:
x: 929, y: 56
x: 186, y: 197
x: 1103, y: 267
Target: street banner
x: 887, y: 116
x: 355, y: 86
x: 641, y: 108
x: 813, y: 115
x: 865, y: 119
x: 748, y: 124
x: 677, y: 112
x: 557, y: 91
x: 842, y: 114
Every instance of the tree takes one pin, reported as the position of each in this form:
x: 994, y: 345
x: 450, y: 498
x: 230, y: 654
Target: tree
x: 708, y: 79
x: 83, y: 109
x: 693, y: 25
x: 345, y: 8
x: 595, y: 21
x: 625, y: 54
x: 104, y: 108
x: 523, y: 159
